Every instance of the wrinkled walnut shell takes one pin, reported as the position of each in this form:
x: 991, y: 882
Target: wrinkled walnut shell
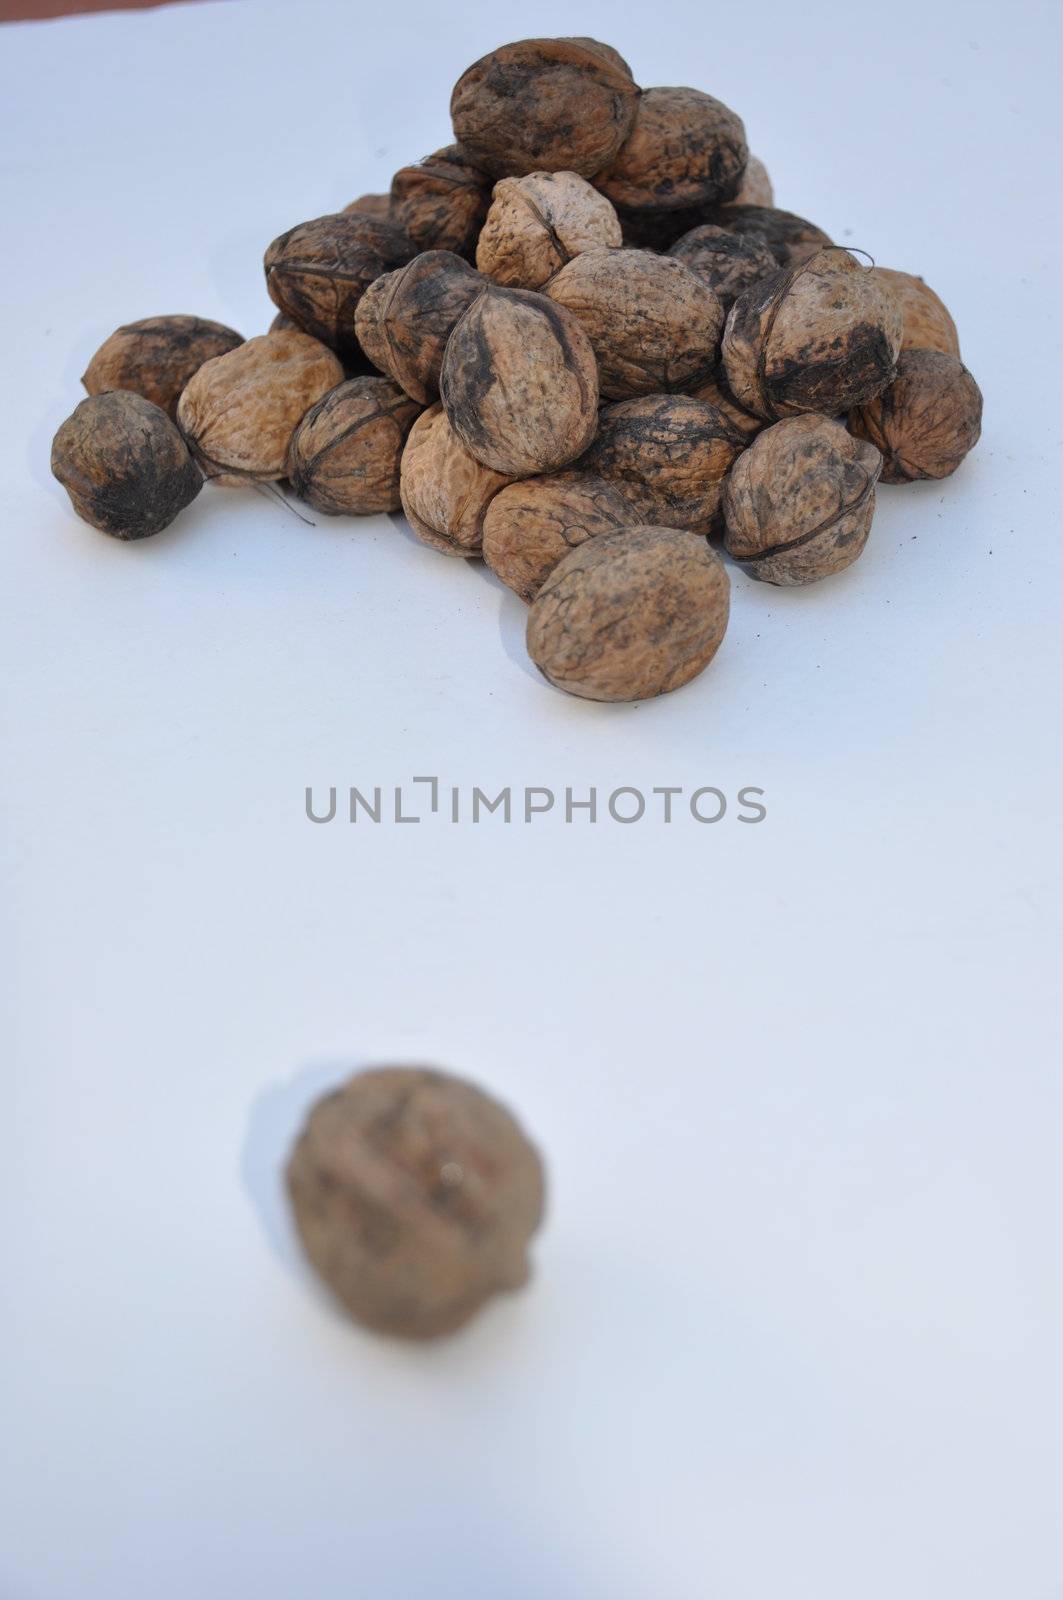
x: 406, y: 317
x: 317, y: 273
x: 441, y: 202
x: 124, y: 465
x: 156, y: 357
x: 799, y: 502
x: 345, y: 453
x: 686, y: 149
x: 727, y: 262
x: 668, y: 454
x: 531, y: 526
x: 536, y: 225
x: 415, y: 1196
x: 925, y: 320
x: 445, y: 491
x: 630, y: 615
x: 715, y: 392
x: 791, y: 239
x: 926, y: 421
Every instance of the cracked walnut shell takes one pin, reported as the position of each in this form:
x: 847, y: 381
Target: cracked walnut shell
x: 345, y: 453
x: 156, y: 357
x: 926, y: 421
x: 124, y: 465
x: 536, y: 225
x: 532, y: 525
x: 445, y: 491
x: 405, y: 318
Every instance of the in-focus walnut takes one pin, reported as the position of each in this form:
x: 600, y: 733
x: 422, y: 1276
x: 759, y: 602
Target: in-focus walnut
x: 630, y: 615
x: 317, y: 273
x: 441, y: 202
x: 345, y: 453
x: 686, y: 149
x: 405, y: 318
x: 925, y: 320
x: 544, y: 105
x: 531, y: 526
x: 445, y: 491
x: 155, y: 358
x: 790, y: 239
x: 822, y: 336
x: 239, y: 411
x: 926, y: 421
x: 756, y: 188
x: 653, y: 324
x: 371, y: 205
x: 726, y: 261
x: 520, y: 382
x: 668, y: 455
x: 536, y: 225
x: 415, y: 1196
x: 124, y: 465
x: 799, y: 502
x: 715, y: 392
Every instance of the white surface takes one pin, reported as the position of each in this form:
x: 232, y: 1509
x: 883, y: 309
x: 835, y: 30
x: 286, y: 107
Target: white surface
x: 797, y: 1317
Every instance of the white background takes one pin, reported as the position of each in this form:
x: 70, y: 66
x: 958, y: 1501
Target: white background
x: 796, y: 1323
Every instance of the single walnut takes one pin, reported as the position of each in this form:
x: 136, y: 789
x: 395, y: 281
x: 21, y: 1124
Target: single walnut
x: 538, y: 223
x: 714, y: 392
x: 124, y: 465
x: 727, y: 262
x: 155, y: 358
x: 445, y: 491
x: 925, y: 320
x: 544, y: 105
x: 345, y: 453
x: 668, y: 455
x: 531, y: 526
x: 790, y: 239
x: 415, y: 1196
x: 441, y: 202
x: 630, y: 615
x: 799, y: 502
x: 371, y: 205
x: 317, y: 273
x: 756, y: 189
x: 239, y: 411
x: 520, y: 383
x: 926, y: 421
x: 823, y: 336
x: 686, y: 149
x: 405, y: 318
x: 652, y: 323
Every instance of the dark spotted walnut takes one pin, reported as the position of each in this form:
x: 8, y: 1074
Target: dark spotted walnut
x: 445, y: 491
x: 531, y: 526
x: 630, y: 615
x: 799, y: 502
x: 926, y: 421
x: 345, y: 453
x: 317, y: 273
x: 441, y: 202
x: 715, y: 392
x: 124, y: 465
x: 925, y: 320
x: 823, y: 336
x: 668, y: 454
x: 520, y: 383
x: 155, y: 358
x: 405, y: 318
x: 415, y: 1196
x: 536, y: 225
x: 728, y: 263
x: 790, y: 239
x: 685, y: 149
x: 544, y: 105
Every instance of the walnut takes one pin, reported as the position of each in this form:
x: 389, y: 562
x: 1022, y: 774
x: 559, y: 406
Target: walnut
x: 630, y: 615
x: 538, y: 223
x: 544, y: 105
x: 714, y: 392
x: 790, y: 239
x: 239, y: 411
x: 317, y: 273
x: 652, y: 323
x: 520, y: 382
x: 445, y: 491
x: 344, y: 455
x: 799, y: 502
x: 155, y: 358
x: 926, y: 421
x: 415, y: 1196
x: 405, y: 318
x: 371, y: 205
x: 726, y: 261
x: 124, y: 465
x: 668, y: 455
x: 441, y: 202
x: 686, y: 149
x: 756, y: 189
x: 822, y: 336
x: 531, y: 526
x: 925, y: 320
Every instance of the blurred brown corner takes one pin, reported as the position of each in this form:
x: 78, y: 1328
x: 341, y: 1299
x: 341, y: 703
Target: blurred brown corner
x: 35, y: 10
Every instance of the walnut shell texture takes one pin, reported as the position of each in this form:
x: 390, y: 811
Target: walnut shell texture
x: 756, y: 188
x: 124, y: 465
x: 520, y: 383
x: 630, y: 615
x: 791, y: 239
x: 926, y: 421
x: 668, y: 454
x: 415, y: 1196
x: 239, y: 411
x: 345, y: 453
x: 925, y: 320
x: 798, y: 504
x: 823, y: 336
x: 156, y: 357
x: 405, y: 318
x: 531, y: 526
x: 685, y: 149
x: 441, y: 202
x: 544, y: 105
x: 536, y: 225
x: 317, y: 272
x: 371, y: 205
x: 653, y: 324
x: 726, y: 261
x: 714, y: 392
x: 445, y: 491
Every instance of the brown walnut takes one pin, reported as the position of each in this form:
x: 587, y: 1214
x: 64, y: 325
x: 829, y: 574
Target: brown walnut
x: 755, y: 189
x: 520, y: 383
x: 372, y: 205
x: 155, y: 358
x: 727, y: 262
x: 630, y: 615
x: 317, y: 273
x: 668, y: 454
x: 124, y: 465
x: 536, y: 225
x: 544, y: 105
x: 926, y: 421
x: 925, y: 320
x: 445, y: 491
x: 441, y: 202
x: 799, y: 502
x: 345, y: 453
x: 822, y: 336
x: 714, y: 392
x: 405, y: 318
x: 685, y: 149
x: 790, y: 239
x: 415, y: 1196
x: 531, y: 526
x: 239, y: 411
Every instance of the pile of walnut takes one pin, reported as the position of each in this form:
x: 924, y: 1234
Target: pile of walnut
x: 645, y: 354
